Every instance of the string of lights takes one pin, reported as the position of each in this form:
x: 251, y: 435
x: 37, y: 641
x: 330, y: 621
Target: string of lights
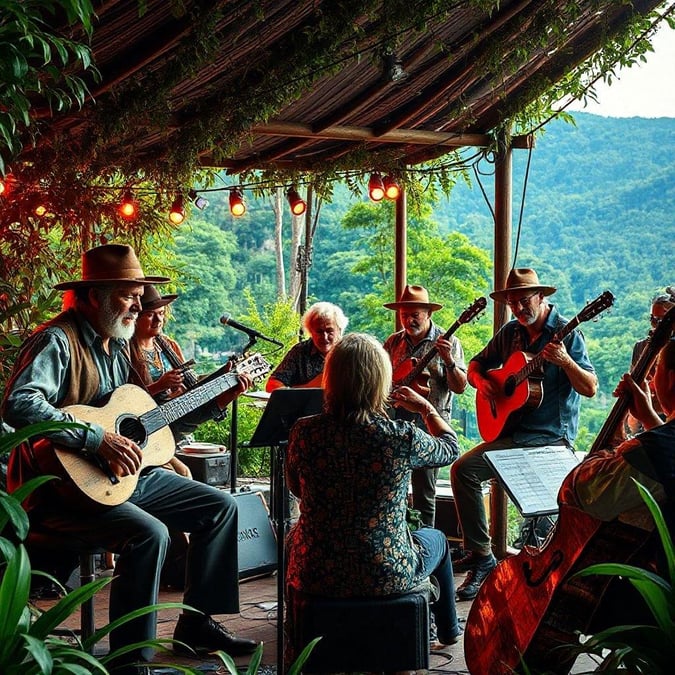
x: 48, y: 200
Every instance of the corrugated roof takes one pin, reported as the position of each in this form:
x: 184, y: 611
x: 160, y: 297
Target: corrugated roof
x: 386, y: 89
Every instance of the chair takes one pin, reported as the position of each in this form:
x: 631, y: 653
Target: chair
x: 46, y: 542
x: 379, y: 634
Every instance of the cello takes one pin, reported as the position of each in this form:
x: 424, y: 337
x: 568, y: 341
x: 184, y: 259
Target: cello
x: 532, y: 604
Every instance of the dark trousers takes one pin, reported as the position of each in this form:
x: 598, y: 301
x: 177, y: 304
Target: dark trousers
x: 138, y: 532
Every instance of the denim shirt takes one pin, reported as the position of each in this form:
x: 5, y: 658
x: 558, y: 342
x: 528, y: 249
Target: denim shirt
x: 42, y: 383
x: 557, y: 417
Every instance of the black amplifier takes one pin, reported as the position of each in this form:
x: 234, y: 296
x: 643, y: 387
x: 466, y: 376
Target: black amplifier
x: 256, y: 541
x: 210, y: 465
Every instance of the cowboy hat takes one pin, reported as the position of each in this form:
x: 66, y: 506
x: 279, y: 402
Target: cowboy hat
x: 414, y: 295
x: 153, y: 300
x: 109, y: 264
x: 521, y: 279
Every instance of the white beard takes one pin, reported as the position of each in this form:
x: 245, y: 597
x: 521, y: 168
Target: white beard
x: 113, y: 323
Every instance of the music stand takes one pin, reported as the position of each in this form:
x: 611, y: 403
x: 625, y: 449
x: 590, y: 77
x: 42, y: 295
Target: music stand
x: 283, y: 409
x: 532, y: 477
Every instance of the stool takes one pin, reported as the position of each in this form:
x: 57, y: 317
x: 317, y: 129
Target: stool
x: 47, y: 541
x: 389, y: 633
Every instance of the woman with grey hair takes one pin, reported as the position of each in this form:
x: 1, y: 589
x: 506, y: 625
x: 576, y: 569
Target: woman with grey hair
x: 350, y: 468
x: 303, y: 364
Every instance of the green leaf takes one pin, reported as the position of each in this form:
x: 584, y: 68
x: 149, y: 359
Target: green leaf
x: 296, y: 667
x: 14, y: 593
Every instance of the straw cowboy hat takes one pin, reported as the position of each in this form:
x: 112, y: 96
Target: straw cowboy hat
x: 521, y: 279
x: 153, y: 300
x: 110, y: 264
x: 414, y: 296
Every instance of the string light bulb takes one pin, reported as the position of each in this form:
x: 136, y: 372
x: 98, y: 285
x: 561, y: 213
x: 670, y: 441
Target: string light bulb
x: 392, y: 190
x: 237, y: 204
x: 376, y: 187
x: 295, y: 201
x: 127, y: 208
x: 177, y: 213
x: 200, y: 202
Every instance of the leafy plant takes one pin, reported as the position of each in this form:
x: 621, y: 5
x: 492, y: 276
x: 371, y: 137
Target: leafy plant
x: 27, y: 641
x: 637, y: 648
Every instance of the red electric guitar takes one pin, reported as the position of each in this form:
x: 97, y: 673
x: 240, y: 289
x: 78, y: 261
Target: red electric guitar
x: 520, y: 379
x: 411, y: 373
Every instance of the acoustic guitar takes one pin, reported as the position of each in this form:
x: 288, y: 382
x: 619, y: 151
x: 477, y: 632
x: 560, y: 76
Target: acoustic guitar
x: 532, y: 604
x: 411, y: 372
x: 133, y: 413
x: 520, y: 379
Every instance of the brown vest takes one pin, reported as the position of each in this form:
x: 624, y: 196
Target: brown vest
x: 83, y: 381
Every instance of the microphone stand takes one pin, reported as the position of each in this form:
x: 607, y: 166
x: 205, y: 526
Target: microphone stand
x: 234, y: 427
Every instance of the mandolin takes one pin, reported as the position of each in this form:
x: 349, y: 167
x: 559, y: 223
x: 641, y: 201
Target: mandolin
x: 520, y: 379
x: 133, y: 413
x: 410, y: 373
x: 532, y: 604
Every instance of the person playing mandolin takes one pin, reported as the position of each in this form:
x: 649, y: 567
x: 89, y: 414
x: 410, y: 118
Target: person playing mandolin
x: 567, y: 375
x: 444, y: 375
x: 76, y: 360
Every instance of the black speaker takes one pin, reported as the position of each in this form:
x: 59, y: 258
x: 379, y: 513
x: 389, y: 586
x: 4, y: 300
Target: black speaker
x: 256, y: 541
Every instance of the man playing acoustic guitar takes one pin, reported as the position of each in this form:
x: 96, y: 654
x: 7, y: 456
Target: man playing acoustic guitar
x: 445, y: 374
x: 567, y: 374
x: 75, y: 361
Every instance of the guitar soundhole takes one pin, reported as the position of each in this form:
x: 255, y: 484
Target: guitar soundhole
x: 509, y: 385
x: 132, y: 428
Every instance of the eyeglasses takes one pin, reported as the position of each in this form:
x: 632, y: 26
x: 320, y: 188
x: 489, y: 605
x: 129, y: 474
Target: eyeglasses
x: 521, y: 301
x: 655, y: 320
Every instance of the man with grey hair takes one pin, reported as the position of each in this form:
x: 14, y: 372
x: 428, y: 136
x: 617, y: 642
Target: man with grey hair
x: 76, y: 361
x: 303, y: 364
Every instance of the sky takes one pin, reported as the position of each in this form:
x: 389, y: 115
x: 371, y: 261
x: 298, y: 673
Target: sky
x: 645, y: 90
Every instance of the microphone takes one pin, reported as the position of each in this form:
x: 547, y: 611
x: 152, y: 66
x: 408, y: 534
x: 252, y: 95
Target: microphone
x: 227, y: 320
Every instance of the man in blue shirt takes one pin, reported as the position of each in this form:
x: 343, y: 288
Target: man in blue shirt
x: 567, y: 375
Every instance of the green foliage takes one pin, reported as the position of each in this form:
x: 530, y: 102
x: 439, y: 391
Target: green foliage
x: 37, y: 62
x: 647, y: 649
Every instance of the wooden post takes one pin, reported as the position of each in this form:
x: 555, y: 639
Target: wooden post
x: 401, y: 246
x: 502, y: 265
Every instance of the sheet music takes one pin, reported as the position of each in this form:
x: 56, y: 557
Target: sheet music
x: 532, y: 476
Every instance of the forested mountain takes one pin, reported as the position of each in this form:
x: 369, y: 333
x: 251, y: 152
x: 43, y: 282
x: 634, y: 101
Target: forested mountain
x: 598, y: 214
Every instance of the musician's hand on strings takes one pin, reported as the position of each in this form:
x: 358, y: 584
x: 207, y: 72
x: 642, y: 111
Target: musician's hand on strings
x: 244, y: 382
x: 639, y: 399
x: 405, y: 397
x: 485, y: 386
x: 122, y: 455
x: 173, y: 380
x: 556, y: 353
x: 444, y: 347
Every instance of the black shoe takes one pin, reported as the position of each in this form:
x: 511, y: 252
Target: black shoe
x: 468, y: 590
x: 203, y: 635
x: 470, y: 561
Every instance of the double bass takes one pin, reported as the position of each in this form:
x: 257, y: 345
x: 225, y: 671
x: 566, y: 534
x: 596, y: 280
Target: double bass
x: 532, y: 604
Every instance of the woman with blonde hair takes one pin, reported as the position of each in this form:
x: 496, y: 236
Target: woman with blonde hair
x: 350, y: 467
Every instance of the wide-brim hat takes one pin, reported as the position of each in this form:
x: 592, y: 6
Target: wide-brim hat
x: 521, y: 279
x: 110, y: 264
x: 153, y: 300
x: 414, y: 295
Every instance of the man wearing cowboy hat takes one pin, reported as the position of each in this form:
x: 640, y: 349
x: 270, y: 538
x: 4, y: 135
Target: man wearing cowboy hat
x: 567, y: 375
x: 446, y: 374
x: 80, y: 357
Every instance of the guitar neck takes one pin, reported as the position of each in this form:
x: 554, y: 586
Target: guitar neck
x: 180, y: 406
x: 639, y: 372
x: 535, y: 363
